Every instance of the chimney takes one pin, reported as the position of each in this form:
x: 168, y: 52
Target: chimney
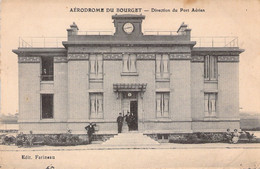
x: 73, y: 29
x: 184, y: 30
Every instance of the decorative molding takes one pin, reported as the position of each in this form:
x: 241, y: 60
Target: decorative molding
x: 180, y: 56
x: 228, y: 58
x: 116, y: 56
x: 145, y: 57
x: 29, y: 59
x: 78, y: 56
x: 197, y: 58
x: 60, y: 60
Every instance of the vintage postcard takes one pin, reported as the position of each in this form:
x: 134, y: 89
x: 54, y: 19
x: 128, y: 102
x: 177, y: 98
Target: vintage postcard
x: 130, y: 84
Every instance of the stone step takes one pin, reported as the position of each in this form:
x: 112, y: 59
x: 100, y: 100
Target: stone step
x: 131, y: 138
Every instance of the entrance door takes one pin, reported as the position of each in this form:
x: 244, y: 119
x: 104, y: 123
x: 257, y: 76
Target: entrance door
x: 133, y: 109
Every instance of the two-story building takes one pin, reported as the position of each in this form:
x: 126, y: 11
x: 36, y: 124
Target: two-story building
x: 169, y: 84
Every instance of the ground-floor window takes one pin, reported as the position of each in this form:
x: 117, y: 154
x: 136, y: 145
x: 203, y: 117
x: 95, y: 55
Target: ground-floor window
x: 210, y: 102
x: 162, y: 104
x: 46, y: 106
x: 96, y: 105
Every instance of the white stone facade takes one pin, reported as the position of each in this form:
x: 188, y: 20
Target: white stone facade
x: 161, y: 78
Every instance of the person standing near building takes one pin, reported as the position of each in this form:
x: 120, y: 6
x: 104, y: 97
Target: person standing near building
x: 120, y: 120
x: 128, y: 120
x: 90, y: 130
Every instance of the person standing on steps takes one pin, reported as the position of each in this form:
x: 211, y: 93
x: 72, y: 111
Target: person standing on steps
x: 120, y: 120
x: 128, y: 120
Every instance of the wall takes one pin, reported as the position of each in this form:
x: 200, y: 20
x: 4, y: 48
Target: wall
x: 180, y: 85
x: 29, y: 89
x: 60, y: 91
x: 197, y: 87
x: 228, y: 90
x: 78, y: 85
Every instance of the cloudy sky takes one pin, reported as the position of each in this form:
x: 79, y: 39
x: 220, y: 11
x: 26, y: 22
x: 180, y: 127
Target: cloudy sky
x: 46, y: 18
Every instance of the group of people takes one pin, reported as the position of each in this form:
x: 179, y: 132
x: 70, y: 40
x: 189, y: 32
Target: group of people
x: 232, y: 137
x: 130, y: 120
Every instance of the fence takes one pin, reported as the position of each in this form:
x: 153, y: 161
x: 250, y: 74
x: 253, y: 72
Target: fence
x: 28, y: 42
x: 218, y: 41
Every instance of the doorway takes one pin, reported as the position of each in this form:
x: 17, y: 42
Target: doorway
x: 130, y: 104
x: 133, y: 110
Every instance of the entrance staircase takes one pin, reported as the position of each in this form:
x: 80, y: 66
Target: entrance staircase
x: 130, y: 139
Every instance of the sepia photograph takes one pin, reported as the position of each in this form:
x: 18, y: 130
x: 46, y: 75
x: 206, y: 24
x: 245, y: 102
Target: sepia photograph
x: 129, y: 84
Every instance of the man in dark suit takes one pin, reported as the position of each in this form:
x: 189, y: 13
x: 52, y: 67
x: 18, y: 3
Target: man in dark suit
x: 120, y: 120
x: 128, y: 120
x: 90, y: 130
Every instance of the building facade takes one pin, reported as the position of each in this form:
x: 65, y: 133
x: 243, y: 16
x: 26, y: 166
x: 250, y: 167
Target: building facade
x: 169, y: 84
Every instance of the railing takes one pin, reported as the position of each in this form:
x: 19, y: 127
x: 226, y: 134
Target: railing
x: 160, y: 33
x: 218, y: 41
x: 27, y: 42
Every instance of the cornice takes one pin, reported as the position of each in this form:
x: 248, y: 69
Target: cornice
x: 216, y: 51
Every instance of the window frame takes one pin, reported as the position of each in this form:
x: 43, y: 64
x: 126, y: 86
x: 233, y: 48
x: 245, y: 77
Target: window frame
x: 210, y: 71
x: 96, y: 75
x: 97, y: 115
x: 160, y: 72
x: 127, y: 61
x: 47, y: 77
x: 163, y: 96
x: 210, y: 112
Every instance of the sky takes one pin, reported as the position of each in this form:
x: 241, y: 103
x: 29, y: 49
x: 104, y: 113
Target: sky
x: 46, y: 18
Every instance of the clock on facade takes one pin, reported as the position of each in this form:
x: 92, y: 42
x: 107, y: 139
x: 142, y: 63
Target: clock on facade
x: 128, y: 28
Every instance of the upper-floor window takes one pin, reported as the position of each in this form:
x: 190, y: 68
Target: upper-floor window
x: 210, y: 102
x: 96, y: 105
x: 162, y: 104
x: 46, y: 106
x: 162, y: 66
x: 210, y: 68
x: 47, y: 68
x: 96, y: 66
x: 129, y: 63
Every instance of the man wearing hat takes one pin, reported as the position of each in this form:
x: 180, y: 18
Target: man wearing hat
x: 90, y: 129
x: 120, y: 120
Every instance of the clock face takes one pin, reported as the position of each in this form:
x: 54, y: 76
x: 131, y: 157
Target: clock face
x: 128, y: 28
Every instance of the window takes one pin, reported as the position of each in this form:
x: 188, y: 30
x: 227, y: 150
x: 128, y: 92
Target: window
x: 96, y: 105
x: 210, y: 68
x: 96, y: 66
x: 210, y: 100
x: 47, y: 106
x: 162, y: 66
x: 47, y: 69
x: 162, y: 104
x: 129, y: 63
